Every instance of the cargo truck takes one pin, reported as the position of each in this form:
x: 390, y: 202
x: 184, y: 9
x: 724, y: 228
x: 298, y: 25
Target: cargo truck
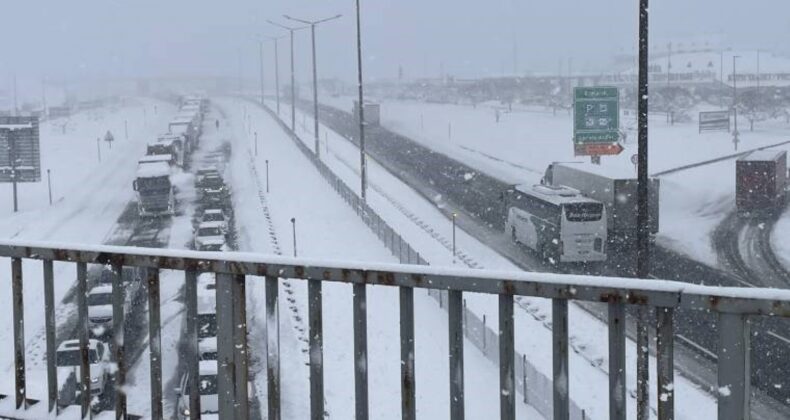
x: 761, y: 182
x: 615, y: 188
x: 155, y: 191
x: 168, y: 144
x: 186, y: 128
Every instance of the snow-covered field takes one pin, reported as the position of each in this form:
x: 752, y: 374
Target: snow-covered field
x: 518, y: 148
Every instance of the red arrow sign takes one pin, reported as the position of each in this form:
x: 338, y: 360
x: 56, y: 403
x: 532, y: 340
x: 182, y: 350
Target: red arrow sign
x: 598, y: 149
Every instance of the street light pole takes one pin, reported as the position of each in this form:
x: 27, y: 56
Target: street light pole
x: 260, y: 58
x: 642, y: 232
x: 735, y: 102
x: 313, y: 24
x: 363, y: 165
x: 293, y: 86
x: 277, y: 70
x: 291, y: 31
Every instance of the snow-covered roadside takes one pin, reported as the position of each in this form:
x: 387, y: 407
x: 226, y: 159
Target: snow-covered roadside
x: 427, y: 229
x: 90, y: 197
x: 327, y: 228
x: 518, y: 148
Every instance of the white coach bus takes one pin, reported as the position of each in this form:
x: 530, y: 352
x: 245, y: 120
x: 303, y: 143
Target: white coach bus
x: 557, y: 223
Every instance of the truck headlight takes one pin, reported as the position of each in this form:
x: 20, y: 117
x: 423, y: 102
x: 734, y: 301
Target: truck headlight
x: 95, y: 380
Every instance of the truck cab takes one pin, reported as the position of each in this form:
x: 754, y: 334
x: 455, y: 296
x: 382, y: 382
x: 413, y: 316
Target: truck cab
x: 155, y: 191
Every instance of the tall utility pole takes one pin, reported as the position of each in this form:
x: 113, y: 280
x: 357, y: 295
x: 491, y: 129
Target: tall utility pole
x: 758, y: 74
x: 360, y: 292
x: 735, y: 103
x: 313, y: 24
x: 669, y: 63
x: 642, y: 218
x: 44, y: 97
x: 721, y: 76
x: 291, y: 30
x: 240, y: 84
x: 260, y: 59
x: 277, y: 70
x: 16, y: 98
x: 363, y: 164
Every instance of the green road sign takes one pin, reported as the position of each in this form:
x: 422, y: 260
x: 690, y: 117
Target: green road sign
x: 596, y: 115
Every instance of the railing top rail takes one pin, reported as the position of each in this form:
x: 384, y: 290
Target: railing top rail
x: 659, y: 293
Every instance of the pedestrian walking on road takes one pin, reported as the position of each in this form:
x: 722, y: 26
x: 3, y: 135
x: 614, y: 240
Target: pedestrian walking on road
x: 216, y: 122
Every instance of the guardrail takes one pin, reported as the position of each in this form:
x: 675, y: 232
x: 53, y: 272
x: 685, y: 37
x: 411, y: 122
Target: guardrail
x: 732, y: 305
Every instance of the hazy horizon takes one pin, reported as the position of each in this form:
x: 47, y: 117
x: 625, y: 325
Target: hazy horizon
x: 90, y: 39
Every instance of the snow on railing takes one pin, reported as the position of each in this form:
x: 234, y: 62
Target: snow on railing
x: 732, y: 305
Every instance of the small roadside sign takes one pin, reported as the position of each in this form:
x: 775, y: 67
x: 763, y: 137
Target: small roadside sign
x: 714, y: 121
x: 598, y: 149
x: 635, y: 159
x: 20, y: 156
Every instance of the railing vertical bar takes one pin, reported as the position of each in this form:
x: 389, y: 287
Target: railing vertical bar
x: 507, y: 362
x: 316, y: 350
x: 733, y: 367
x: 273, y: 347
x: 360, y: 351
x: 456, y: 346
x: 617, y: 401
x: 82, y: 332
x: 559, y: 332
x: 49, y: 326
x: 408, y: 394
x: 193, y: 359
x: 19, y: 333
x: 118, y: 325
x: 155, y: 342
x: 665, y: 362
x: 240, y: 356
x: 225, y: 352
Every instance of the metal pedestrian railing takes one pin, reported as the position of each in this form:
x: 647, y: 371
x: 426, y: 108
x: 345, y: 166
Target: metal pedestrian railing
x: 732, y: 306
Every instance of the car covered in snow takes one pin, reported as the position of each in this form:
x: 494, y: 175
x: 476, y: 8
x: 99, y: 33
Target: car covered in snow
x: 100, y: 310
x: 207, y: 387
x: 68, y: 359
x: 215, y: 215
x: 209, y: 236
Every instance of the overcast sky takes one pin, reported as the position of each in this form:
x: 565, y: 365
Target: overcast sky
x: 468, y: 38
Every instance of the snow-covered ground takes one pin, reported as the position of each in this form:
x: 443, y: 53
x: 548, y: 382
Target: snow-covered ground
x: 518, y: 148
x: 88, y: 198
x: 427, y: 230
x: 327, y: 228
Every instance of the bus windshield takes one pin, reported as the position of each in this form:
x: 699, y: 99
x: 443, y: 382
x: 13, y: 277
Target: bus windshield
x: 583, y: 212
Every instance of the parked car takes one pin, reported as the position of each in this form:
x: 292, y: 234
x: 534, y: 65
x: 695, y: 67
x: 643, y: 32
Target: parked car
x: 68, y: 363
x: 209, y: 237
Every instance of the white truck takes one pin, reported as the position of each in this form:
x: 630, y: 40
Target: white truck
x: 155, y: 191
x: 615, y: 187
x: 168, y: 144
